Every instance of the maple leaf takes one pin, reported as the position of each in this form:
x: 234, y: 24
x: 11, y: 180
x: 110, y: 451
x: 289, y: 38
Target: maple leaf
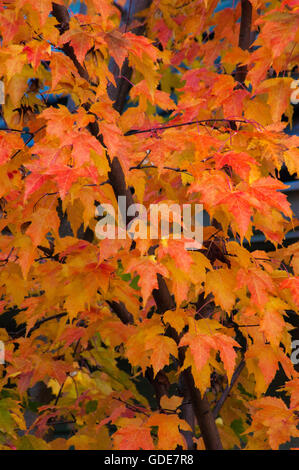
x: 169, y: 430
x: 8, y: 144
x: 136, y: 346
x: 240, y: 162
x: 259, y: 284
x: 42, y: 222
x: 147, y: 269
x: 58, y: 120
x: 159, y: 98
x: 161, y: 347
x: 16, y: 88
x: 262, y: 361
x: 118, y: 45
x: 61, y: 67
x: 36, y: 52
x: 222, y: 284
x: 163, y: 31
x: 134, y: 436
x: 176, y: 318
x: 266, y: 190
x: 292, y: 387
x: 272, y: 324
x: 10, y: 24
x: 80, y: 42
x: 106, y: 9
x: 175, y: 249
x: 43, y: 7
x: 241, y: 205
x: 278, y: 96
x: 71, y: 335
x: 202, y: 338
x: 268, y: 413
x: 200, y: 346
x: 64, y: 177
x: 292, y: 283
x: 26, y: 254
x: 228, y: 355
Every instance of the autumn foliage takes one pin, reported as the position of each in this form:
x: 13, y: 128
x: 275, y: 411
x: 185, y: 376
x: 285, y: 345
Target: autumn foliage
x: 144, y: 344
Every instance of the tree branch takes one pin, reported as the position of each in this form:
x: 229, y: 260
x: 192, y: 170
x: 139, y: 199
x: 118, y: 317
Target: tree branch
x: 189, y: 123
x: 161, y: 295
x: 119, y: 93
x: 244, y: 37
x: 62, y: 16
x: 203, y: 415
x: 121, y: 311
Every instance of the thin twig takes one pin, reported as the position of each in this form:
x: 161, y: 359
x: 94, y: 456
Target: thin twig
x: 178, y: 170
x: 227, y: 390
x: 28, y: 140
x: 41, y: 322
x: 171, y: 126
x: 59, y: 393
x: 132, y: 407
